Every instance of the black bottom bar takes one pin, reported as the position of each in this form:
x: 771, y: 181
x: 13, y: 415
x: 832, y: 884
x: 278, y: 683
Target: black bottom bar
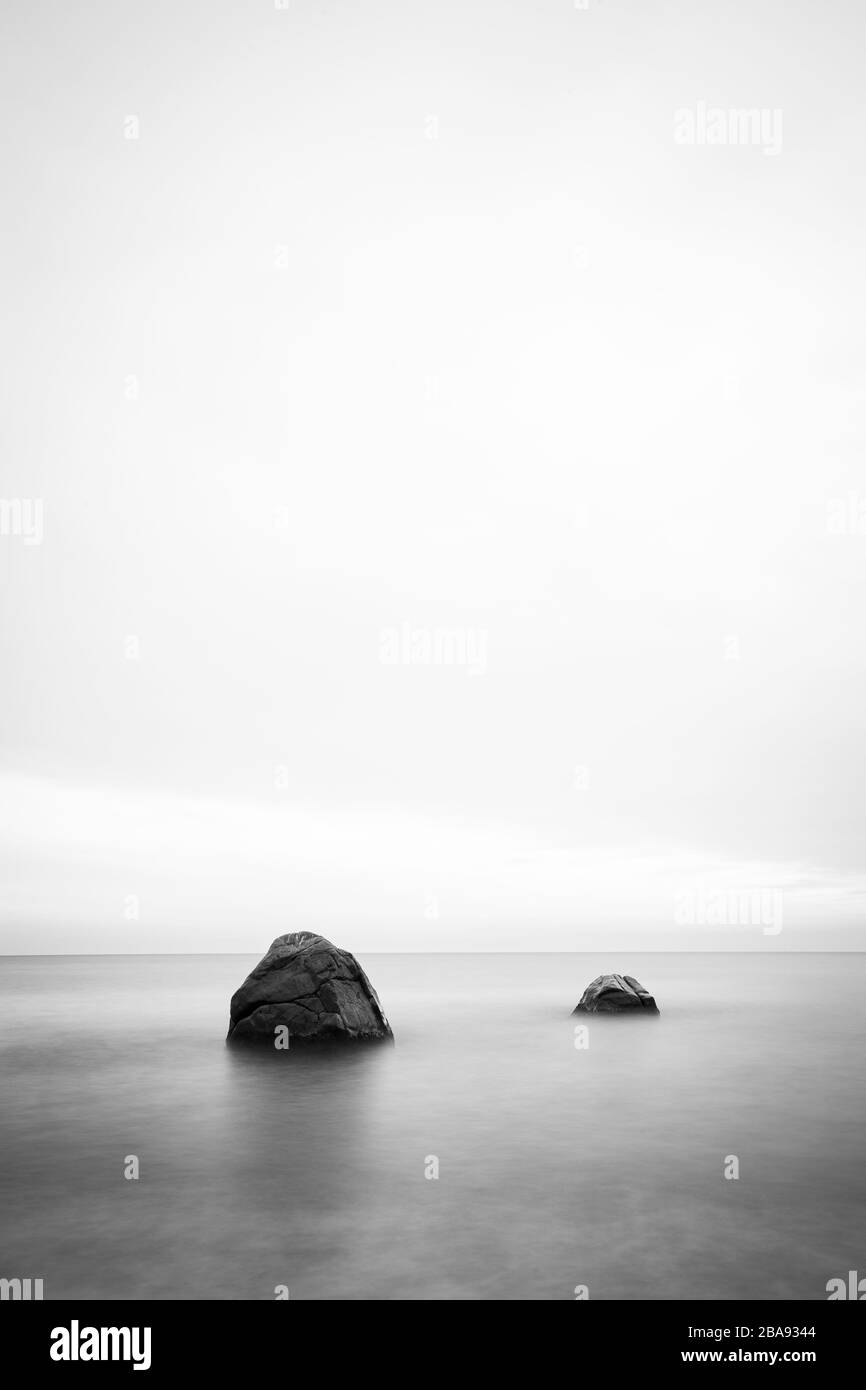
x: 254, y: 1339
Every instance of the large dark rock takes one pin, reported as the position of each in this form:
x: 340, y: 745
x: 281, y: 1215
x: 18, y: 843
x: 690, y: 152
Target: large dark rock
x: 317, y: 991
x: 616, y: 994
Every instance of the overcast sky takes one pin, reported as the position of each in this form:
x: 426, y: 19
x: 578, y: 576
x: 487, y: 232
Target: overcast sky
x: 434, y: 474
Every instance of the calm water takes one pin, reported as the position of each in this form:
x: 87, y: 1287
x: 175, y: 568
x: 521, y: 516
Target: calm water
x: 557, y: 1166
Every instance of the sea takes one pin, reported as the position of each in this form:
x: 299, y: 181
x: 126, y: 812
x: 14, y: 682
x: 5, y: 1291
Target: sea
x: 501, y: 1149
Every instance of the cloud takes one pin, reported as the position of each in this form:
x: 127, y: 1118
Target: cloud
x: 88, y: 867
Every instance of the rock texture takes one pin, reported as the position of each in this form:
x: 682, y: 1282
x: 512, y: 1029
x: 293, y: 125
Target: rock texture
x: 616, y: 994
x: 319, y: 992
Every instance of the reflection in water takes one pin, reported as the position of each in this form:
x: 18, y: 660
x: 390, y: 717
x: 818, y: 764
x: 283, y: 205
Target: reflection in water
x: 308, y: 1107
x: 558, y: 1165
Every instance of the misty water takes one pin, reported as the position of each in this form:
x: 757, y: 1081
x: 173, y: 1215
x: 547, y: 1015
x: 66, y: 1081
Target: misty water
x: 558, y: 1166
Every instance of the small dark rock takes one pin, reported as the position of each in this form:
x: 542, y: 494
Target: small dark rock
x: 616, y: 994
x: 317, y: 991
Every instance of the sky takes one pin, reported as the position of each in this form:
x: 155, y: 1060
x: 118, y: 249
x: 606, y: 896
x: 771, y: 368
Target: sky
x: 432, y: 481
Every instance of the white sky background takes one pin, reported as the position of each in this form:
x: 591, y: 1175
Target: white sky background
x: 432, y: 323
